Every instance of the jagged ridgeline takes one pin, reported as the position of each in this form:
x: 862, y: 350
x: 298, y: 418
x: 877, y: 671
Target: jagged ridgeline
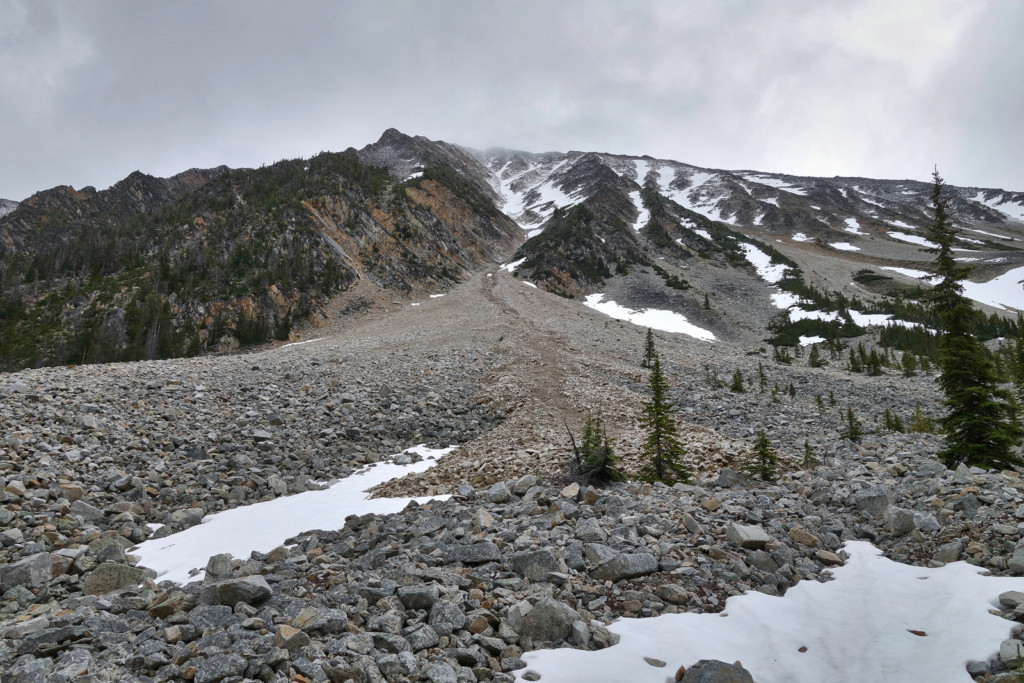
x: 210, y: 259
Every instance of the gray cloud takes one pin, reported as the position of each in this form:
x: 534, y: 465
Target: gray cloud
x: 92, y: 91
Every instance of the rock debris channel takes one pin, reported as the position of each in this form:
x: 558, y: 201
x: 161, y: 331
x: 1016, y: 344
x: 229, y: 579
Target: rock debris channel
x: 94, y: 460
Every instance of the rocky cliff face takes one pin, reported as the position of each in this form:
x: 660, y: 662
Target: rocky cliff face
x: 156, y: 267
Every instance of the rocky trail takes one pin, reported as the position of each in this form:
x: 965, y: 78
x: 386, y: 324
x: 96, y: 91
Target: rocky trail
x: 97, y: 459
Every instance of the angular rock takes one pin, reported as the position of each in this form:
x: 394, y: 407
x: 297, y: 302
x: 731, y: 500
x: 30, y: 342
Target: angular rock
x: 32, y: 571
x: 873, y: 500
x: 423, y: 637
x: 626, y: 566
x: 750, y: 536
x: 109, y: 576
x: 419, y: 597
x: 535, y: 565
x: 89, y: 513
x: 476, y: 553
x: 290, y: 638
x: 549, y: 620
x: 248, y: 589
x: 446, y: 618
x: 218, y: 667
x: 714, y: 671
x: 499, y: 493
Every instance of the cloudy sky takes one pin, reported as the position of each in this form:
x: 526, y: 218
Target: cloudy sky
x: 92, y: 90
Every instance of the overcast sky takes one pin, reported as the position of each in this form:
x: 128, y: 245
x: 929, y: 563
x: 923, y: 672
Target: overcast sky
x: 92, y: 90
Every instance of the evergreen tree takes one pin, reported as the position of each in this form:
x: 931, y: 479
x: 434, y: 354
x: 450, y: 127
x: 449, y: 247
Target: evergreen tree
x: 761, y: 377
x: 977, y: 424
x: 596, y: 457
x: 764, y: 462
x: 854, y: 362
x: 851, y: 430
x: 737, y: 383
x: 874, y: 364
x: 814, y: 359
x: 909, y: 365
x: 707, y: 302
x: 809, y: 460
x: 649, y: 352
x: 662, y: 447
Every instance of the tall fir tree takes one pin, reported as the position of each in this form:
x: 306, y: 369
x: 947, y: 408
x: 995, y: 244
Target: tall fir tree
x: 662, y: 447
x: 763, y: 462
x: 649, y: 352
x: 978, y: 423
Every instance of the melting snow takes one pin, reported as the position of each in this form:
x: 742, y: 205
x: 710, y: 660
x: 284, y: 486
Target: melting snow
x: 991, y: 234
x: 512, y: 265
x: 643, y: 215
x: 777, y: 183
x: 853, y: 226
x: 1014, y: 210
x: 901, y: 224
x: 666, y: 321
x: 529, y: 284
x: 769, y: 272
x: 1004, y: 291
x: 844, y: 246
x: 807, y: 341
x: 913, y: 239
x: 878, y: 620
x: 800, y: 237
x: 265, y: 526
x: 300, y: 343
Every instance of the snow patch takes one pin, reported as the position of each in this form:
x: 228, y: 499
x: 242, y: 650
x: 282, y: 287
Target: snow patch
x: 808, y: 341
x: 643, y: 215
x: 265, y: 526
x: 843, y: 246
x: 912, y: 239
x: 800, y: 237
x: 1013, y: 210
x: 511, y: 266
x: 853, y: 226
x: 768, y: 271
x: 865, y: 625
x: 666, y: 321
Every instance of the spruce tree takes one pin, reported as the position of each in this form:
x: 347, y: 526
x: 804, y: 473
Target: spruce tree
x: 662, y: 447
x: 852, y: 430
x: 649, y: 351
x: 978, y: 425
x: 597, y: 458
x: 764, y: 462
x: 737, y: 383
x: 809, y: 460
x: 909, y: 364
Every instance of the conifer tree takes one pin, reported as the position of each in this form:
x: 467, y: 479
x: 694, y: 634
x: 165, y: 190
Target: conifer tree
x: 764, y: 462
x: 809, y: 460
x: 851, y: 430
x: 814, y: 359
x: 909, y: 364
x: 737, y: 383
x: 978, y: 425
x: 662, y: 447
x: 597, y: 458
x: 649, y: 351
x: 854, y: 362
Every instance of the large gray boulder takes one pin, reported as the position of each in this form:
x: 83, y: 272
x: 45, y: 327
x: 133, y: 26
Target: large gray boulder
x: 251, y: 590
x: 714, y: 671
x: 476, y: 553
x: 626, y: 566
x: 750, y: 536
x: 535, y: 565
x: 32, y: 571
x: 873, y: 500
x: 110, y: 576
x: 549, y: 620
